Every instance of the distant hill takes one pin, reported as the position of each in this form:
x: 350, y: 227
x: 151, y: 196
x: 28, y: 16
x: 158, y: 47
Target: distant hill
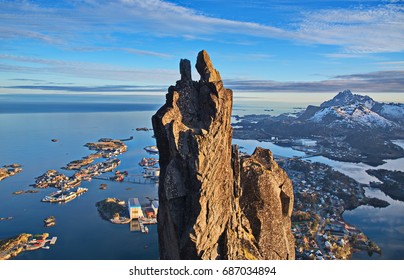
x: 346, y: 97
x: 348, y: 127
x: 352, y: 111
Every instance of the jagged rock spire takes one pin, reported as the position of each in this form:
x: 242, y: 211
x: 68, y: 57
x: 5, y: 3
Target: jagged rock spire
x: 204, y: 212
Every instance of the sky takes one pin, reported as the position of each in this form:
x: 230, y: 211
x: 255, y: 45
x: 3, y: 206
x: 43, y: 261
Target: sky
x: 276, y: 48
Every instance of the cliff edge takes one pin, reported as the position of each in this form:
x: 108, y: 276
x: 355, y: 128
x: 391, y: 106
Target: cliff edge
x: 214, y: 204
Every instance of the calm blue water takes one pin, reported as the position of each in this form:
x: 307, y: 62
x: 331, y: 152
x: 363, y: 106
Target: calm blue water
x: 25, y: 138
x: 82, y: 234
x: 385, y: 226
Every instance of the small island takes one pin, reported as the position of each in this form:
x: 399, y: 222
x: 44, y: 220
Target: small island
x: 118, y: 212
x: 9, y: 170
x: 392, y: 182
x: 49, y: 221
x: 13, y: 246
x: 113, y: 210
x: 85, y: 169
x: 108, y: 147
x: 25, y: 191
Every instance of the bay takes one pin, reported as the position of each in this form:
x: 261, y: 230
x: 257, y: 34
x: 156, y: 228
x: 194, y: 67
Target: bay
x: 384, y: 226
x: 82, y: 233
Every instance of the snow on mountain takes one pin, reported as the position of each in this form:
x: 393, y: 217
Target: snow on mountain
x: 350, y: 116
x: 391, y: 111
x: 346, y: 97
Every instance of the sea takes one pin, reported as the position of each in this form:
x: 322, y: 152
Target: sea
x: 29, y: 122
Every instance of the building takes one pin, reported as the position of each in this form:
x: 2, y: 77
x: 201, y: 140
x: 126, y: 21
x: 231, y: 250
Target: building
x: 135, y: 209
x: 152, y: 172
x: 155, y: 206
x: 149, y: 213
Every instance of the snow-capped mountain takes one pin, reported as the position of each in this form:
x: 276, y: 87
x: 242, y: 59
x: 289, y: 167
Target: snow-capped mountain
x: 350, y: 116
x: 348, y: 110
x: 346, y: 97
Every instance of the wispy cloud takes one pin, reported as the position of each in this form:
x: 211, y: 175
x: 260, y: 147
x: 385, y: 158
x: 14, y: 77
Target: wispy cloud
x: 357, y: 30
x: 127, y: 50
x: 91, y: 89
x: 153, y: 17
x: 391, y: 65
x: 382, y: 81
x: 85, y: 69
x: 360, y: 29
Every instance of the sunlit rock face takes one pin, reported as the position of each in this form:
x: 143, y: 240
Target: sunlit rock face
x: 214, y: 205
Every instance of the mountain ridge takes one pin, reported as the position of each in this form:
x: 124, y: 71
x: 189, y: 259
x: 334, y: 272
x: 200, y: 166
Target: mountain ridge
x: 339, y: 125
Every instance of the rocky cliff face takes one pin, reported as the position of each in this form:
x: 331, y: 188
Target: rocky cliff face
x: 214, y: 205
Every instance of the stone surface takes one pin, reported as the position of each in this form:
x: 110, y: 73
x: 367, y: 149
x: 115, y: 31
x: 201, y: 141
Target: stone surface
x: 267, y: 202
x: 212, y: 205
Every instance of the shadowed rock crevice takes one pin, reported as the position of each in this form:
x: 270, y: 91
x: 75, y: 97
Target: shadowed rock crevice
x: 214, y: 205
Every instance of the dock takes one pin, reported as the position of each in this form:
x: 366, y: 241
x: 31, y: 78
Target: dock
x: 37, y: 244
x: 133, y: 179
x: 53, y: 240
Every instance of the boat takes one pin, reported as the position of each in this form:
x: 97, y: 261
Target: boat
x: 146, y: 229
x: 148, y: 161
x: 152, y: 149
x: 46, y: 247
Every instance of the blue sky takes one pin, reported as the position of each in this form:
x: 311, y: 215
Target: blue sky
x: 266, y: 47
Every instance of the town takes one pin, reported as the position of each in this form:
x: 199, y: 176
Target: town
x: 321, y: 197
x: 85, y: 170
x: 68, y: 188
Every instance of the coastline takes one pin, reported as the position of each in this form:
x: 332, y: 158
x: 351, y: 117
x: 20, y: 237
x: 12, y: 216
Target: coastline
x: 293, y: 154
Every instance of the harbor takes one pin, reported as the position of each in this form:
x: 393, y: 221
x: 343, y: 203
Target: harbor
x: 74, y: 215
x: 149, y: 175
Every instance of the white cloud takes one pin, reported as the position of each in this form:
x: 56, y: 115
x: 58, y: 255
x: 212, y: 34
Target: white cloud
x: 392, y: 65
x: 152, y: 17
x: 356, y: 30
x: 85, y: 70
x: 381, y: 81
x: 379, y: 29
